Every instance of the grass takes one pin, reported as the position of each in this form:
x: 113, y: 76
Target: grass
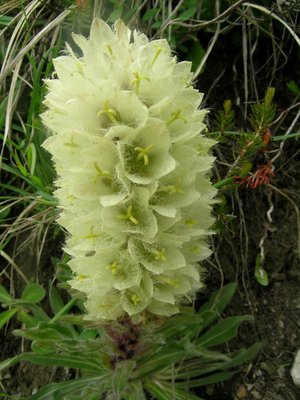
x: 33, y: 32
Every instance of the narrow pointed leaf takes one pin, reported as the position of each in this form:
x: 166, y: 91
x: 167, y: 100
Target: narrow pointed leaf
x: 218, y: 377
x: 217, y: 303
x: 58, y: 390
x: 222, y: 332
x: 5, y: 297
x: 5, y: 316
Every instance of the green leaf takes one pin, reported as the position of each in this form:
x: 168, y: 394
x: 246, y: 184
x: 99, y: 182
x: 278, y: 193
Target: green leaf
x: 64, y: 360
x: 60, y: 360
x: 55, y: 300
x: 204, y: 366
x: 185, y: 324
x: 47, y: 330
x: 195, y: 54
x: 9, y: 362
x: 260, y: 273
x: 293, y: 87
x: 162, y: 358
x: 88, y: 334
x: 243, y: 356
x: 20, y: 166
x: 33, y: 293
x: 168, y: 392
x: 150, y: 13
x: 217, y: 303
x: 31, y: 157
x: 54, y: 390
x: 218, y: 377
x: 4, y: 213
x: 187, y: 14
x: 135, y: 391
x: 5, y: 316
x: 3, y: 105
x: 5, y: 297
x: 222, y: 332
x: 27, y: 319
x: 117, y: 13
x: 37, y: 311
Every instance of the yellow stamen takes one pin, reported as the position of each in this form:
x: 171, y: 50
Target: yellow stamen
x: 174, y: 282
x: 92, y: 235
x: 137, y: 80
x: 71, y: 143
x: 190, y: 221
x: 143, y: 153
x: 129, y: 216
x: 135, y: 299
x: 114, y: 267
x: 160, y: 255
x: 102, y: 174
x: 157, y: 53
x: 174, y: 116
x: 108, y: 46
x: 81, y: 277
x: 111, y: 113
x: 170, y: 189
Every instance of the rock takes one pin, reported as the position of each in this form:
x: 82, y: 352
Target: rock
x: 241, y: 393
x: 295, y: 371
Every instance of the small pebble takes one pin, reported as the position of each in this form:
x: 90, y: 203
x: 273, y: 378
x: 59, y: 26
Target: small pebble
x: 241, y: 393
x: 256, y: 395
x: 295, y: 371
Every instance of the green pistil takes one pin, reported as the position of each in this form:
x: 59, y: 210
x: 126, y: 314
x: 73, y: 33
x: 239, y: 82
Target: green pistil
x: 108, y: 46
x: 170, y: 189
x: 111, y: 113
x: 190, y: 222
x: 174, y: 116
x: 160, y: 255
x: 81, y: 277
x: 102, y: 174
x: 92, y: 235
x: 155, y: 57
x: 129, y: 216
x: 174, y: 283
x: 135, y: 299
x: 143, y: 153
x: 137, y: 80
x: 114, y: 267
x: 71, y: 143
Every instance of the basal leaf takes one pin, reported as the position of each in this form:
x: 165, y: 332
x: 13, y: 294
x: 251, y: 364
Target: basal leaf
x: 222, y: 332
x: 208, y: 380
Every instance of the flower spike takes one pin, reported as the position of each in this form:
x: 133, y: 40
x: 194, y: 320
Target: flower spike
x: 132, y: 166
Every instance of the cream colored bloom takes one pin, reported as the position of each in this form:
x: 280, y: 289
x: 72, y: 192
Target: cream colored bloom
x: 132, y: 171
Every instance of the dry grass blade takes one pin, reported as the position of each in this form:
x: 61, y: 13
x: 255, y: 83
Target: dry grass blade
x: 14, y: 265
x: 9, y: 108
x: 33, y: 42
x: 271, y: 14
x: 9, y: 5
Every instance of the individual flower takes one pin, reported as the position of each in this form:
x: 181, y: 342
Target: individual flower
x: 132, y: 167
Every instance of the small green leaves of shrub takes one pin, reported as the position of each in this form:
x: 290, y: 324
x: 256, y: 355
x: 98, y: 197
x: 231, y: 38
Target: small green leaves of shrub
x: 33, y: 293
